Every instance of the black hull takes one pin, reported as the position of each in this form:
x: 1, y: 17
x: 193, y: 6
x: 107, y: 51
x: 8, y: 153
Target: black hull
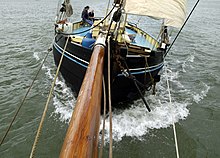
x: 76, y: 60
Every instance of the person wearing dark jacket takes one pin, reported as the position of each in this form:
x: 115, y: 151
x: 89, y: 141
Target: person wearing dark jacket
x: 91, y: 15
x: 85, y: 16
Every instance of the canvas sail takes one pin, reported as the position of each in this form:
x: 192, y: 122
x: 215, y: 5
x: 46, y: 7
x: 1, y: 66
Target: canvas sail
x: 172, y: 11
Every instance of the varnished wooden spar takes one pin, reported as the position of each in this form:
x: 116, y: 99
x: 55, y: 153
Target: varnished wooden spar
x: 81, y: 139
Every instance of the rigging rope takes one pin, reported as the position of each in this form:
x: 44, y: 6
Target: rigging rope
x: 107, y: 7
x: 104, y: 115
x: 168, y: 87
x: 109, y: 101
x: 181, y: 28
x: 47, y: 103
x: 23, y: 100
x: 173, y: 123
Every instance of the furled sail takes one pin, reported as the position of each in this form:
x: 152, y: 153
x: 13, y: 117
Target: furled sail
x: 172, y: 11
x: 68, y: 8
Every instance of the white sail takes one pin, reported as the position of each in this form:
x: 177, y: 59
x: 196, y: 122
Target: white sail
x: 172, y: 11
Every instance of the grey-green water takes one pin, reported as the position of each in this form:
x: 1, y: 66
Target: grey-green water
x: 26, y: 32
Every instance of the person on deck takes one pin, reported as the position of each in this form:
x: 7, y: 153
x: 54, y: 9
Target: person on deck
x: 91, y: 15
x: 85, y: 16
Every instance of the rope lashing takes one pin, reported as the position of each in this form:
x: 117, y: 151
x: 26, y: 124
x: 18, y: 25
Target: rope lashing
x: 47, y: 103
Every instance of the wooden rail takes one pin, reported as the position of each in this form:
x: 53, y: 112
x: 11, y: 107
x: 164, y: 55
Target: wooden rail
x: 81, y: 139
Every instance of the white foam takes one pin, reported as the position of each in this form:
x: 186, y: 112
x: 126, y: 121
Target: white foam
x: 135, y: 121
x: 186, y: 63
x: 48, y: 71
x: 36, y: 56
x: 63, y: 99
x: 191, y: 57
x: 64, y: 111
x: 204, y: 89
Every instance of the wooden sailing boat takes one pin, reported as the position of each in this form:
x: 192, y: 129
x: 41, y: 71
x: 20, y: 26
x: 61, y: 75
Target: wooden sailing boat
x: 136, y: 59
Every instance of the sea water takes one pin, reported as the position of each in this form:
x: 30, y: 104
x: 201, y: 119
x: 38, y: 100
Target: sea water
x: 192, y: 69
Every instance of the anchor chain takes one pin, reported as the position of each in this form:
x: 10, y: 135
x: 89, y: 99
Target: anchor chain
x: 126, y: 73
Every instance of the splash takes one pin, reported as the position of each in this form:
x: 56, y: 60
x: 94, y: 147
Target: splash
x: 204, y: 89
x: 36, y: 56
x: 63, y: 99
x: 136, y: 121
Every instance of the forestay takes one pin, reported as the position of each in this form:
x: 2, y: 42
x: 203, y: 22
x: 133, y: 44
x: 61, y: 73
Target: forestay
x: 172, y: 11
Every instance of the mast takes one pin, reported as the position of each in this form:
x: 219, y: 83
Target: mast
x: 116, y: 25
